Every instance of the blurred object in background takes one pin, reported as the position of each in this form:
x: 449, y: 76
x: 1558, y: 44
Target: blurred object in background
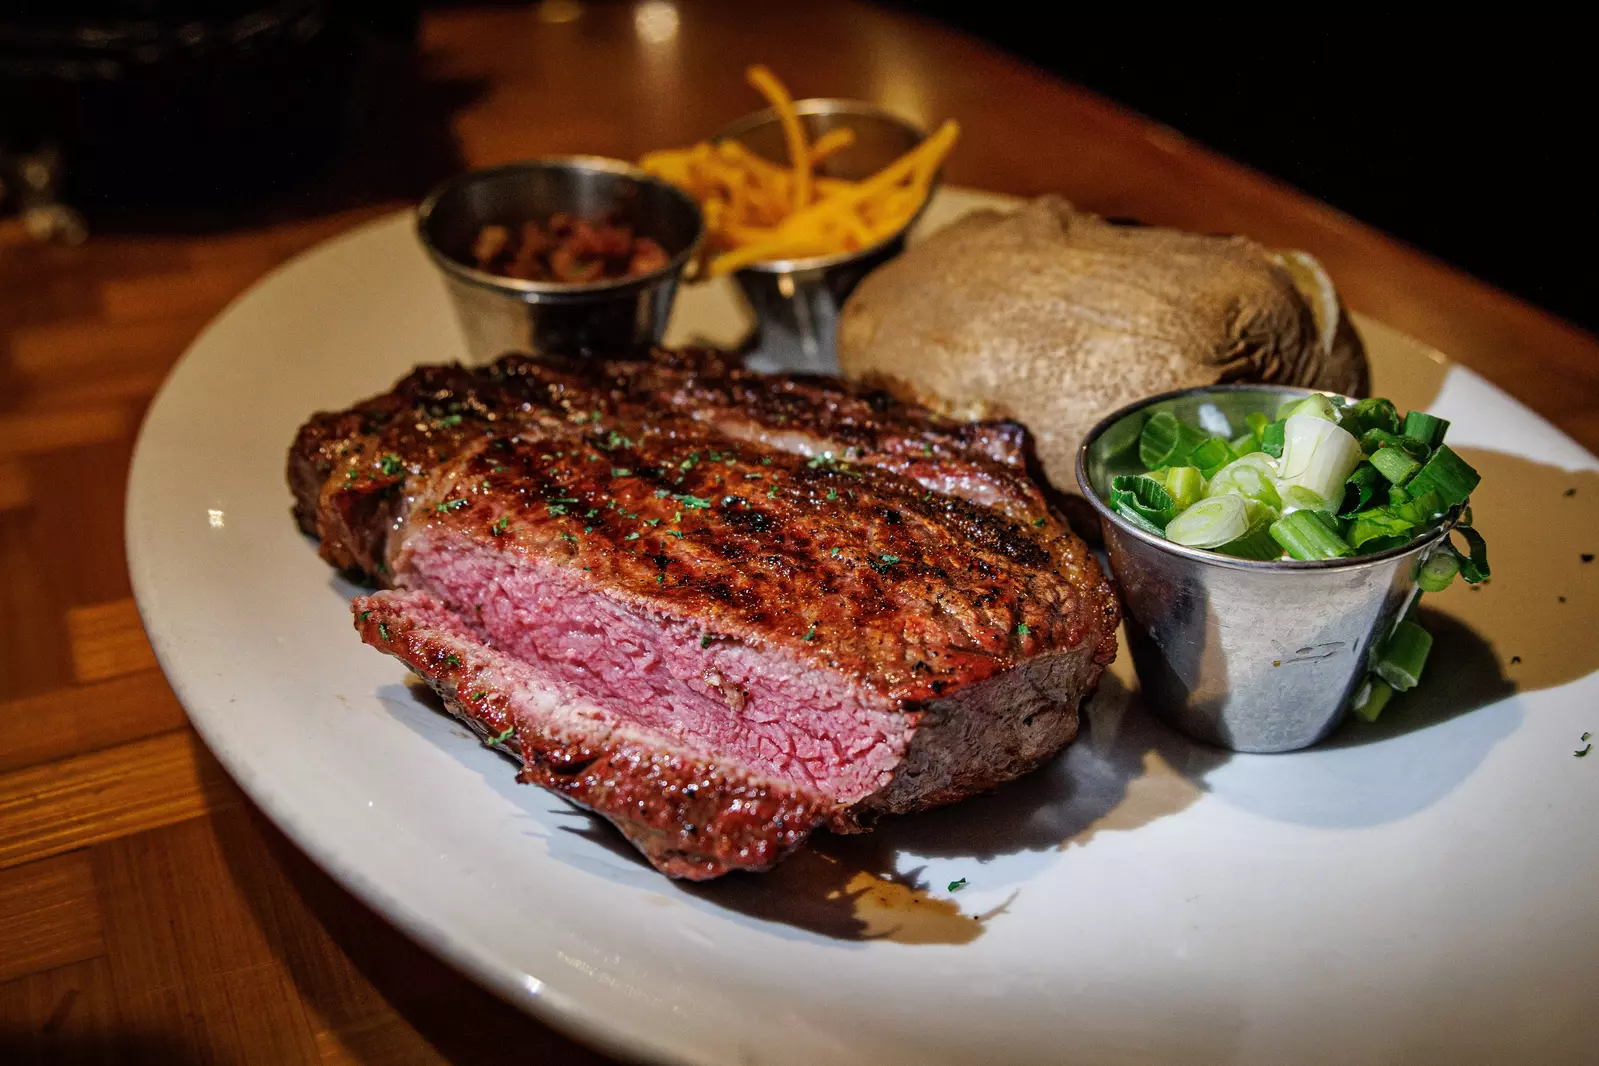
x: 193, y: 114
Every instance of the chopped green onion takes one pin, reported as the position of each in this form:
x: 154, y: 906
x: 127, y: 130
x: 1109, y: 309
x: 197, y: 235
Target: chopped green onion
x: 1317, y: 406
x: 1299, y: 498
x: 1243, y: 445
x: 1377, y: 522
x: 1257, y: 423
x: 1372, y: 698
x: 1210, y: 523
x: 1309, y: 535
x: 1319, y: 456
x: 1210, y: 456
x: 1375, y: 413
x: 1438, y: 571
x: 1359, y: 490
x: 1166, y: 440
x: 1417, y: 509
x: 1134, y: 518
x: 1395, y: 464
x: 1248, y: 476
x: 1448, y: 474
x: 1145, y: 496
x: 1185, y: 485
x: 1426, y: 428
x: 1271, y: 438
x: 1258, y: 543
x: 1474, y: 564
x: 1404, y: 656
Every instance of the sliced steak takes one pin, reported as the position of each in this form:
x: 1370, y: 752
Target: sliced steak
x: 719, y: 609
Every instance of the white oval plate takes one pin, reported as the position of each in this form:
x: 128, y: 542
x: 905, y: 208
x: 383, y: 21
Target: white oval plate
x: 1420, y: 889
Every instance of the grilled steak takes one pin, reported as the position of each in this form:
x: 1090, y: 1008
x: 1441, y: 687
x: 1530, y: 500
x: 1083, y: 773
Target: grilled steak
x: 720, y: 609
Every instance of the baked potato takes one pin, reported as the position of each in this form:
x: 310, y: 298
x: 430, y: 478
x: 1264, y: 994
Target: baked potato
x: 1055, y: 317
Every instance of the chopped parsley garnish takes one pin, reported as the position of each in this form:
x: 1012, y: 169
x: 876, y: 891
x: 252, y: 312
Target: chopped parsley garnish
x: 501, y: 525
x: 557, y: 508
x: 620, y: 471
x: 825, y: 459
x: 678, y: 533
x: 568, y: 537
x: 477, y: 696
x: 562, y: 499
x: 835, y: 553
x: 1038, y: 523
x: 616, y: 440
x: 957, y: 885
x: 449, y: 420
x: 766, y: 462
x: 652, y: 522
x: 390, y: 465
x: 631, y: 536
x: 364, y: 614
x: 694, y: 503
x: 659, y: 578
x: 688, y: 464
x: 810, y: 634
x: 882, y: 563
x: 832, y: 494
x: 495, y: 742
x: 592, y: 511
x: 661, y: 494
x: 452, y: 660
x: 383, y: 631
x: 1021, y: 629
x: 451, y: 505
x: 705, y: 640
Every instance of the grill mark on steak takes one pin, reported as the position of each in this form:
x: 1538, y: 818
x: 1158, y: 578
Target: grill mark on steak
x: 904, y: 559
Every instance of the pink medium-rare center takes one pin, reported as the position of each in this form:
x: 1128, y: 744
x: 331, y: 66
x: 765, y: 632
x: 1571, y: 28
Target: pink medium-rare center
x: 796, y: 723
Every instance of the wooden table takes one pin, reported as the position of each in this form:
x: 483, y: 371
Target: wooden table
x: 144, y: 903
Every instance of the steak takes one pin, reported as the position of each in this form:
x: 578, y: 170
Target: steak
x: 718, y: 608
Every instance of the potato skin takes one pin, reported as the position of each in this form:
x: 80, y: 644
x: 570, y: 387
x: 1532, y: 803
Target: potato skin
x: 1054, y: 317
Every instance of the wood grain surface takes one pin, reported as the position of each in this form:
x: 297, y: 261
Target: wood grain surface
x: 147, y: 911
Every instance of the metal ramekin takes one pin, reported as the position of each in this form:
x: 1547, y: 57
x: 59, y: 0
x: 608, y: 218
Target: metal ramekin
x: 796, y: 301
x: 1248, y: 655
x: 501, y: 314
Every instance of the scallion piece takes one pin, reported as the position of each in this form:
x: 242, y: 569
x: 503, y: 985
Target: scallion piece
x: 1474, y: 564
x: 1258, y: 543
x: 1243, y: 445
x: 1426, y: 428
x: 1375, y: 413
x: 1166, y: 440
x: 1438, y: 571
x: 1257, y: 423
x: 1210, y: 456
x: 1359, y: 490
x: 1210, y: 523
x: 1248, y: 476
x: 1185, y: 485
x: 1144, y: 496
x: 1404, y: 656
x: 1372, y: 698
x: 1377, y: 522
x: 1271, y: 438
x: 1309, y: 535
x: 1447, y: 474
x: 1299, y: 498
x: 1319, y: 456
x: 1395, y: 464
x: 1317, y: 406
x: 1132, y: 517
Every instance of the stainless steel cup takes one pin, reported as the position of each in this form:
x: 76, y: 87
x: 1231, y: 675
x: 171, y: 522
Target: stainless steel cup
x: 1251, y: 656
x: 508, y: 314
x: 796, y: 301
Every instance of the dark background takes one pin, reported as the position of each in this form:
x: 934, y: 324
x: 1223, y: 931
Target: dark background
x: 1462, y: 137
